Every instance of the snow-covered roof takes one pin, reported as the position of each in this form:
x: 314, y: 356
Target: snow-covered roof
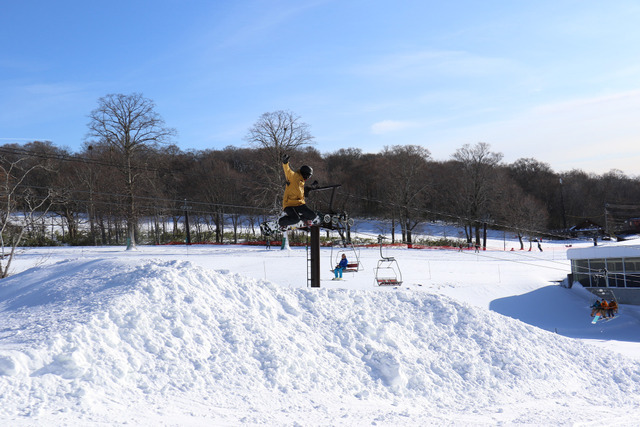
x: 609, y: 251
x: 586, y: 226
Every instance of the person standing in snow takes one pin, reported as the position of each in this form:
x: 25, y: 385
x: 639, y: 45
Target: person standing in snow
x: 340, y: 267
x: 293, y: 202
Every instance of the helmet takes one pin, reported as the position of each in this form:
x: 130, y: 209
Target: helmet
x: 306, y: 171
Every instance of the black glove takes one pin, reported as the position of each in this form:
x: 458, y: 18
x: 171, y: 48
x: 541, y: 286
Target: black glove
x: 285, y: 158
x: 312, y: 187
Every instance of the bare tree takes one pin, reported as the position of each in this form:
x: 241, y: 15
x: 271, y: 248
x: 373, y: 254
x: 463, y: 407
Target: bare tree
x: 474, y: 188
x: 518, y: 210
x: 407, y: 184
x: 129, y: 124
x: 14, y: 172
x: 217, y: 185
x: 274, y: 134
x: 538, y: 180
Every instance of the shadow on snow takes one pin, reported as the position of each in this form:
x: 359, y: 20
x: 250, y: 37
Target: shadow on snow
x: 562, y: 311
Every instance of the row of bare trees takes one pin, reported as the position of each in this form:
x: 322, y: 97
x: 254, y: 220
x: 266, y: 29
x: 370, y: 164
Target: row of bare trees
x: 129, y: 170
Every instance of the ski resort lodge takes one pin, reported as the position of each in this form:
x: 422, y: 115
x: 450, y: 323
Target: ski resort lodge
x: 615, y: 268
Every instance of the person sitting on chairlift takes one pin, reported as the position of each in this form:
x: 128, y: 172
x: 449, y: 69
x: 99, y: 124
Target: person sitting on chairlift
x: 613, y: 308
x: 604, y: 308
x: 337, y: 272
x: 595, y: 308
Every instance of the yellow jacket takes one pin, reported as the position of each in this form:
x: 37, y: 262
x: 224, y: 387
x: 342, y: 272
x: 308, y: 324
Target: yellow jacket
x: 294, y: 193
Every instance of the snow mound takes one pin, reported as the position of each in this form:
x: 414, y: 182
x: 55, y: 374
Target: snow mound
x: 93, y: 332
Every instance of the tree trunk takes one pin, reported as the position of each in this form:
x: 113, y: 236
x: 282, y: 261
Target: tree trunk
x: 393, y: 230
x: 4, y: 272
x: 484, y: 236
x: 131, y: 226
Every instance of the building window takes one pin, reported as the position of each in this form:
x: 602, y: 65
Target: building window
x: 615, y: 267
x: 580, y: 268
x: 632, y: 272
x: 619, y: 272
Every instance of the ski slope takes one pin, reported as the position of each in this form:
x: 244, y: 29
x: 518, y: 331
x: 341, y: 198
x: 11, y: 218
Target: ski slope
x: 228, y: 335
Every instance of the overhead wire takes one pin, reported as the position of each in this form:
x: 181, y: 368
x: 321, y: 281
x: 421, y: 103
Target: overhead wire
x: 459, y: 218
x: 145, y: 198
x: 422, y: 211
x: 419, y: 210
x: 205, y: 207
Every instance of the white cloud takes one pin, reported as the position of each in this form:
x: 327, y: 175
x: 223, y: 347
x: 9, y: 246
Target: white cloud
x: 422, y: 64
x: 387, y: 126
x: 595, y: 134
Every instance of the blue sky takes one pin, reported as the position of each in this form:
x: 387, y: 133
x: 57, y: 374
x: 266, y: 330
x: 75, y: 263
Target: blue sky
x: 558, y: 80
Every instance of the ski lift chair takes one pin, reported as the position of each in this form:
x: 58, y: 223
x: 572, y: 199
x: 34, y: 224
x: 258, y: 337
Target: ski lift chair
x: 604, y: 293
x: 352, y: 266
x: 387, y: 270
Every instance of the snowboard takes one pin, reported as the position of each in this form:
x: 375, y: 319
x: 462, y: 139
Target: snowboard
x: 595, y: 319
x: 269, y: 228
x: 331, y: 221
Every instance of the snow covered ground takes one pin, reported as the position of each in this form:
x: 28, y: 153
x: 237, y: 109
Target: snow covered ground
x: 228, y: 335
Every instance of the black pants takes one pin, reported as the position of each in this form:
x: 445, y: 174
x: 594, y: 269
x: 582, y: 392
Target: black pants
x: 295, y: 214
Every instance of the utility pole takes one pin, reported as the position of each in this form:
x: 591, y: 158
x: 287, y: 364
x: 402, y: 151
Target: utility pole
x: 315, y: 256
x: 564, y: 216
x: 186, y: 208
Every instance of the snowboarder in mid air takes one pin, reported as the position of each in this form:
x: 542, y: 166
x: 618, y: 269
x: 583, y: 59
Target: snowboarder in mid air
x: 293, y: 203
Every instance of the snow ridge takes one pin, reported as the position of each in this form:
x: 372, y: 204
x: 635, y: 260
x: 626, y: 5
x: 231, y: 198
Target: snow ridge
x: 95, y: 331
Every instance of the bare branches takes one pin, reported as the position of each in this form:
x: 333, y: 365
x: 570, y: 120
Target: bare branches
x: 274, y: 134
x: 128, y: 124
x: 12, y: 229
x: 279, y: 132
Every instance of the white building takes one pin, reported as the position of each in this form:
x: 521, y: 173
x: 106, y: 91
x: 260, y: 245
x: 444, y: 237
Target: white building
x: 615, y: 268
